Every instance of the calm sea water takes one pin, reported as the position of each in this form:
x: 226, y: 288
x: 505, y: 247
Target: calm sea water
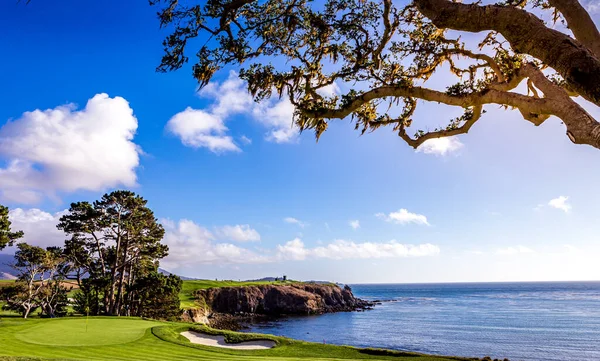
x: 520, y: 321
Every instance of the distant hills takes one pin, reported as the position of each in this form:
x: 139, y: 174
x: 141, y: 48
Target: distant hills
x: 166, y: 273
x: 6, y: 272
x: 273, y: 279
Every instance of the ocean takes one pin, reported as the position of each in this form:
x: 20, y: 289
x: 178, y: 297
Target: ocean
x: 549, y: 321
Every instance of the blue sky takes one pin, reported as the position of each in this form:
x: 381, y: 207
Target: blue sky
x: 225, y: 174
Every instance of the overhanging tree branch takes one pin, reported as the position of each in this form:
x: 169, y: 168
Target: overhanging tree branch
x: 580, y: 22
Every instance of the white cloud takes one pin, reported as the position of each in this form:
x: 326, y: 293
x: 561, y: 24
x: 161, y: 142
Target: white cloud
x: 355, y: 224
x: 441, y: 146
x: 190, y: 244
x: 199, y: 129
x: 245, y: 140
x: 206, y: 127
x: 403, y: 216
x: 292, y: 250
x: 39, y: 227
x: 231, y: 97
x: 292, y: 220
x: 560, y: 203
x: 277, y: 116
x: 341, y: 249
x: 329, y: 90
x: 64, y: 149
x: 238, y: 233
x: 509, y: 251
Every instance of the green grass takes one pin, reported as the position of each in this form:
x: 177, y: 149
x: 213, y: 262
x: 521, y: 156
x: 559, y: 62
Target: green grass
x: 109, y: 338
x: 186, y: 296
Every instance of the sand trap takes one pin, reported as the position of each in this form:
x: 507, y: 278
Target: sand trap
x: 219, y: 341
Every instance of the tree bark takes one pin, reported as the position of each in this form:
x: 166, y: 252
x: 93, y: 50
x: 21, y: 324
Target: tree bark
x: 526, y: 34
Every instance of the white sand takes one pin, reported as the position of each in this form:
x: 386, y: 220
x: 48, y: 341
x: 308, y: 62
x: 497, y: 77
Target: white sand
x: 219, y: 341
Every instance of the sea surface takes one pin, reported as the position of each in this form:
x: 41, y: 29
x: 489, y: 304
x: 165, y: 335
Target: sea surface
x: 521, y: 321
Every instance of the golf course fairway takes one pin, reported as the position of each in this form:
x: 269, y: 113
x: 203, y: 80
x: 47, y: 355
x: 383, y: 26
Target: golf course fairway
x: 107, y: 338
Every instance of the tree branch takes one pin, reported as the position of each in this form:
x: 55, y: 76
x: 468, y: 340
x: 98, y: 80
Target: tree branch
x: 580, y: 22
x: 526, y: 34
x: 487, y: 96
x: 463, y: 129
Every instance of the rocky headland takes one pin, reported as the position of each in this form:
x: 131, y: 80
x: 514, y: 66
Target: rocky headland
x: 227, y: 307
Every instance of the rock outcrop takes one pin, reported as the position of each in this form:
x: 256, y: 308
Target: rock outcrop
x: 274, y: 300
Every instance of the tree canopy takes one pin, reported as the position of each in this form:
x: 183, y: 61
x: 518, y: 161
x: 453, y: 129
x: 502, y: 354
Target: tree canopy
x: 7, y: 236
x: 115, y: 245
x: 39, y: 284
x: 384, y: 53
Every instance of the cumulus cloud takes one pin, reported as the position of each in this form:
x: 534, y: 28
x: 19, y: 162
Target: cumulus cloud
x: 560, y: 203
x: 238, y: 233
x: 206, y: 127
x: 197, y: 129
x: 39, y: 227
x: 403, y: 216
x: 509, y: 251
x: 342, y: 249
x: 355, y: 224
x: 65, y: 149
x: 292, y: 220
x: 190, y: 243
x: 441, y: 146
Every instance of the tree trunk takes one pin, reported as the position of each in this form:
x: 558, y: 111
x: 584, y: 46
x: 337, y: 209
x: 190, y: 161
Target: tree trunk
x: 113, y: 271
x: 122, y: 278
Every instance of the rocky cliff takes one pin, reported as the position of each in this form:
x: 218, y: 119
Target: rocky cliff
x: 273, y: 300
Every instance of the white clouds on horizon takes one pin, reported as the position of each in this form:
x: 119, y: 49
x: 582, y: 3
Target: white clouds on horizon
x: 403, y: 216
x: 65, y: 150
x: 190, y: 244
x: 342, y: 249
x: 441, y: 146
x: 560, y: 203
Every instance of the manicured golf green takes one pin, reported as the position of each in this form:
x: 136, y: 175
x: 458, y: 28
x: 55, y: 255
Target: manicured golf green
x: 85, y: 332
x: 135, y: 339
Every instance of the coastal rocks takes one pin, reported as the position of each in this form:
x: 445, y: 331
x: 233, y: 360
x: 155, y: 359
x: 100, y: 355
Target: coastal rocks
x: 274, y: 300
x: 196, y: 315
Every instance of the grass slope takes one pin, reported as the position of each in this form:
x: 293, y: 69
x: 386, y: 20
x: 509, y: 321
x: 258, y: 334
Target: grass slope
x: 135, y: 339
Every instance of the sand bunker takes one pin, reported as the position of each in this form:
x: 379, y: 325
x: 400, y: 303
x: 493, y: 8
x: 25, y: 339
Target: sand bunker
x: 219, y: 341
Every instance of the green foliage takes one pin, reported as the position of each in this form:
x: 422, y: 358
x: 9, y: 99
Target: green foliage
x: 381, y: 53
x: 39, y: 284
x: 7, y: 236
x: 16, y: 299
x: 158, y: 296
x: 371, y: 43
x: 116, y: 241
